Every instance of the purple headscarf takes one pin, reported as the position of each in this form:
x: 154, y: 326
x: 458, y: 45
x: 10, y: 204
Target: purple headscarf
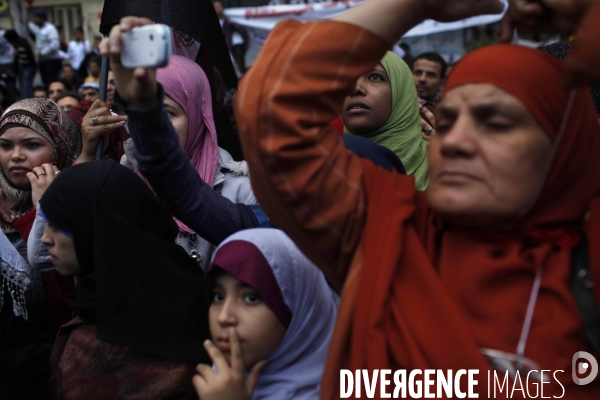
x: 298, y: 294
x: 185, y: 82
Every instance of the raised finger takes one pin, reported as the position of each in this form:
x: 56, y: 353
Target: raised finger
x: 39, y: 172
x: 429, y: 116
x: 48, y: 169
x: 98, y: 103
x: 107, y: 128
x: 204, y: 369
x: 216, y: 356
x: 127, y: 23
x: 424, y: 125
x: 107, y: 119
x: 237, y: 362
x: 32, y: 177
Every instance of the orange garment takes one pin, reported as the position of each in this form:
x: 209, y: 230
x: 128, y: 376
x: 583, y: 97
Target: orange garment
x: 416, y: 294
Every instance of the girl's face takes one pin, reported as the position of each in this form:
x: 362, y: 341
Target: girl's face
x: 62, y: 251
x: 237, y: 305
x: 369, y: 107
x: 21, y: 150
x: 178, y: 118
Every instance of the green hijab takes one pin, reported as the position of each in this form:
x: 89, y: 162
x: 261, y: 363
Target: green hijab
x: 402, y: 131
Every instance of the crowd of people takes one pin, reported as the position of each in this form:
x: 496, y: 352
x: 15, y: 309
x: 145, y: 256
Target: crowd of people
x: 73, y: 63
x: 390, y: 214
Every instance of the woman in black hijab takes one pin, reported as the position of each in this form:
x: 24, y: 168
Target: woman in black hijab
x: 141, y: 317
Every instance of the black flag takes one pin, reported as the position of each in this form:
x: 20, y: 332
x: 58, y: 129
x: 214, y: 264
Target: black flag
x: 196, y: 18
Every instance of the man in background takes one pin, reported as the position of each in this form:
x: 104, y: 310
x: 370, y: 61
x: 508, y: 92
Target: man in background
x: 429, y: 74
x: 89, y: 91
x: 56, y: 89
x: 7, y: 67
x: 70, y: 78
x: 78, y: 49
x: 27, y: 66
x: 47, y: 45
x: 68, y: 101
x: 94, y: 69
x: 40, y: 92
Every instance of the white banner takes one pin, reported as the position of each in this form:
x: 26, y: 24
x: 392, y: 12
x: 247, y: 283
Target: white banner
x: 259, y: 21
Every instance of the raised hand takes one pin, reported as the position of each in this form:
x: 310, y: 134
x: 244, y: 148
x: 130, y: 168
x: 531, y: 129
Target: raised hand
x: 535, y: 16
x: 41, y: 178
x: 229, y: 382
x: 392, y: 19
x: 136, y: 87
x: 98, y: 122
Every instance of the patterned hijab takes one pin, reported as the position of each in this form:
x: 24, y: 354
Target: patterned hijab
x: 402, y: 131
x: 46, y: 118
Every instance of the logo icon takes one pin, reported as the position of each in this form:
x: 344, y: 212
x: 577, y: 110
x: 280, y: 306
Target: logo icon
x: 590, y: 365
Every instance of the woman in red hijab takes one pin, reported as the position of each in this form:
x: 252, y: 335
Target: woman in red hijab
x: 472, y: 274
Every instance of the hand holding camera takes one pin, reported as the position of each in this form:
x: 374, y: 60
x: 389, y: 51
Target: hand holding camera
x: 136, y: 47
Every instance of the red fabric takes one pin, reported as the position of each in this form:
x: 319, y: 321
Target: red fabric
x: 338, y: 124
x: 24, y: 224
x: 429, y: 296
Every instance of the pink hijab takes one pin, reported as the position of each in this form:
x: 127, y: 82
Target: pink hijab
x: 185, y: 82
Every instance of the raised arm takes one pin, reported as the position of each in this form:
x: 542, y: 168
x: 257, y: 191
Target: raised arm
x: 161, y: 159
x: 164, y: 163
x: 304, y: 178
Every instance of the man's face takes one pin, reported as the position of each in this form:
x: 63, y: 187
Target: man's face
x: 55, y: 90
x: 67, y: 103
x: 38, y: 21
x: 68, y: 72
x: 78, y: 35
x: 428, y: 78
x: 95, y: 68
x: 40, y: 94
x: 90, y: 94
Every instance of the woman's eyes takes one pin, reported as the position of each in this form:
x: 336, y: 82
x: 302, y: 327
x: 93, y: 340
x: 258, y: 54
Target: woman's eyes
x: 33, y: 145
x: 376, y: 77
x: 5, y: 146
x: 252, y: 298
x: 217, y: 296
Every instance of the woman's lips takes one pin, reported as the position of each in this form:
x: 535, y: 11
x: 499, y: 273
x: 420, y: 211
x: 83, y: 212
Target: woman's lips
x: 357, y: 107
x: 456, y: 177
x: 18, y: 170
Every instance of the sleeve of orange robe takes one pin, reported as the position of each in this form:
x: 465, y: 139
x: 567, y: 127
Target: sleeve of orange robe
x: 305, y: 179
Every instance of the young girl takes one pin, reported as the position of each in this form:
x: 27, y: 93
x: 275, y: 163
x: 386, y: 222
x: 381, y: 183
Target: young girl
x: 141, y: 316
x: 271, y: 315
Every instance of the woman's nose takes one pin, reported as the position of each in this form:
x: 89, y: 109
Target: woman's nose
x: 359, y: 88
x: 17, y: 154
